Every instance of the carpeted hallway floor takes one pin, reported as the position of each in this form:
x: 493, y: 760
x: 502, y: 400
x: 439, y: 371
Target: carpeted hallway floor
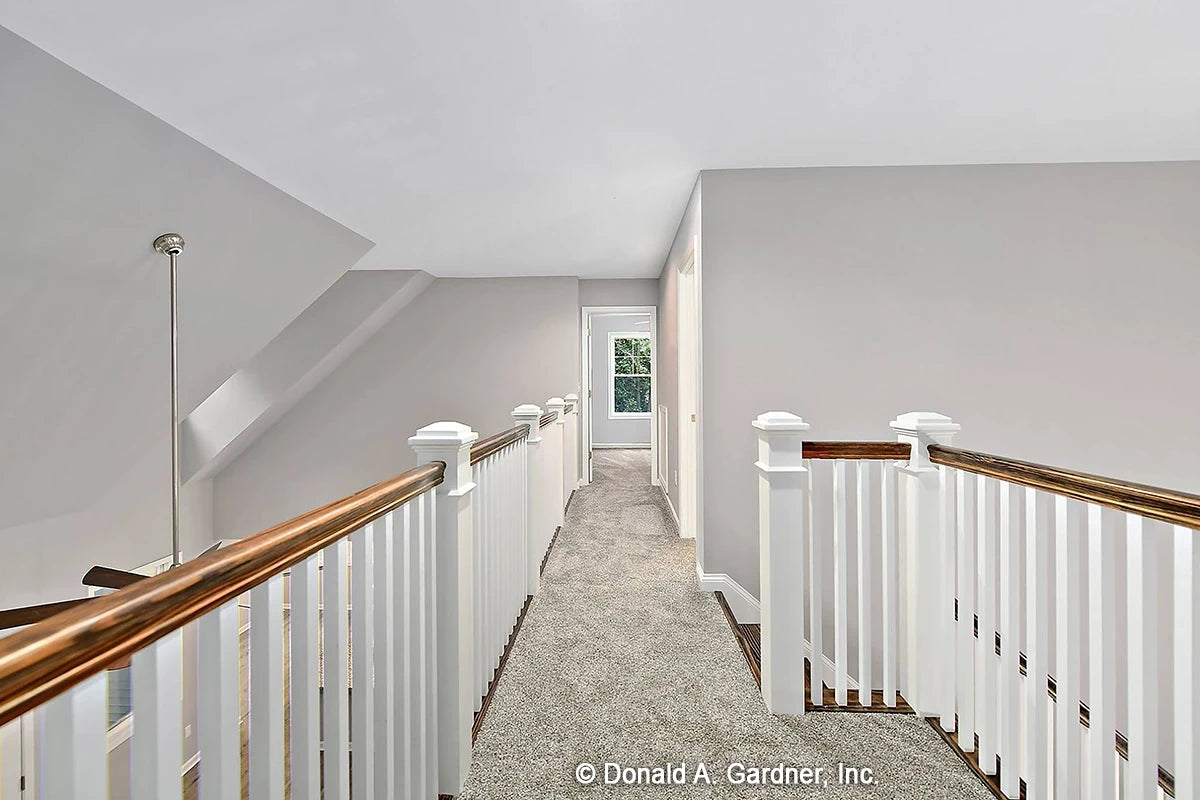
x: 623, y: 659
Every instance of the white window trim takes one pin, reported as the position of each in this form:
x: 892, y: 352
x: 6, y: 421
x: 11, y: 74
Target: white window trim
x: 612, y: 375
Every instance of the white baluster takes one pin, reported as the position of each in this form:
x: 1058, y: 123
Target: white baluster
x: 479, y: 660
x: 494, y: 536
x: 783, y: 492
x: 841, y: 591
x: 305, y: 776
x: 965, y: 659
x: 386, y: 629
x: 335, y: 644
x: 429, y: 643
x: 450, y: 443
x: 865, y: 583
x: 816, y: 604
x: 1009, y: 739
x: 10, y: 760
x: 889, y: 587
x: 948, y: 535
x: 1141, y: 775
x: 529, y: 415
x: 1068, y: 662
x: 985, y: 653
x: 404, y: 643
x: 266, y: 690
x: 218, y: 728
x: 362, y: 649
x: 506, y: 597
x: 414, y: 659
x: 1187, y: 662
x: 156, y: 676
x: 486, y: 532
x: 1102, y: 659
x: 926, y: 593
x: 74, y: 742
x: 1037, y: 645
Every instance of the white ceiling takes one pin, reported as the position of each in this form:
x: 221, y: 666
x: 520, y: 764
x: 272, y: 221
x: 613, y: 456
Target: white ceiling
x: 563, y: 136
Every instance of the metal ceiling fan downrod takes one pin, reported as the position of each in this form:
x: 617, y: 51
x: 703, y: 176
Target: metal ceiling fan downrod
x: 171, y: 245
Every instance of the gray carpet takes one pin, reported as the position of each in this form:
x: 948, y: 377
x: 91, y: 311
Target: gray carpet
x: 623, y: 659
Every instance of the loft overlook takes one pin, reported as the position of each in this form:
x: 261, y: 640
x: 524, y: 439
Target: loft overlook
x: 589, y: 398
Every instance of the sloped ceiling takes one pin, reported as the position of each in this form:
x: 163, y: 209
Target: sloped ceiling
x: 563, y: 136
x: 87, y: 181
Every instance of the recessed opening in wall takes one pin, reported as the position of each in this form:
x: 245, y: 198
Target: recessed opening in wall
x: 619, y: 381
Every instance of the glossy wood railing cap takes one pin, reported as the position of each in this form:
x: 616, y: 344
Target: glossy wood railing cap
x: 881, y: 451
x: 48, y: 658
x: 486, y: 447
x: 1151, y: 502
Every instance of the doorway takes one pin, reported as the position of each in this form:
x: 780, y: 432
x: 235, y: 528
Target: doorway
x: 619, y: 377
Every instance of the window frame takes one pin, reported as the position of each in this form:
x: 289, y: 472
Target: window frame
x: 612, y: 375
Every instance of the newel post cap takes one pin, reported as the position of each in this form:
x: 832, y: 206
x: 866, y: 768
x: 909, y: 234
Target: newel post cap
x: 780, y: 421
x: 925, y: 422
x: 556, y: 404
x: 571, y: 398
x: 531, y: 415
x: 443, y: 434
x: 527, y: 410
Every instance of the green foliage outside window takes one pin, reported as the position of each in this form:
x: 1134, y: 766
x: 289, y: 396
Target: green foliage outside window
x: 631, y: 375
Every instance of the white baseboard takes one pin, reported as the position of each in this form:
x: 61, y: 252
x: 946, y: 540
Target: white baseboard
x: 670, y: 506
x: 630, y: 446
x: 743, y: 604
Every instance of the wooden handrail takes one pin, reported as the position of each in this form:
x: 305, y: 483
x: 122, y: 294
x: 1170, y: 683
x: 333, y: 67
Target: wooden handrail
x: 547, y: 418
x: 485, y: 447
x: 1166, y: 505
x: 882, y: 451
x: 48, y: 658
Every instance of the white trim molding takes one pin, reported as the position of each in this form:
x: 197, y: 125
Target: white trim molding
x: 743, y: 604
x: 671, y: 507
x: 620, y: 446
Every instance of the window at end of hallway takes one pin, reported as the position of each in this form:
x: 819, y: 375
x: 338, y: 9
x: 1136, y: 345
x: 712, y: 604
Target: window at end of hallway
x: 629, y: 363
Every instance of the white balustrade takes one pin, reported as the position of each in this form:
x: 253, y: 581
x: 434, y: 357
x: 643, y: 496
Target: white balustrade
x: 995, y: 614
x: 378, y: 648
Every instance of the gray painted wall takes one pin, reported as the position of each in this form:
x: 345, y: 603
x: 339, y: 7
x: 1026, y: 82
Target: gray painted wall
x: 468, y: 350
x: 606, y: 430
x: 1048, y: 309
x: 668, y: 342
x: 618, y: 292
x: 91, y: 308
x: 85, y: 477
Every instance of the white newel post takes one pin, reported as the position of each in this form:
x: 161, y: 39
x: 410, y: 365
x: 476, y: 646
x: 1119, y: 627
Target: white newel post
x: 571, y: 475
x: 450, y: 442
x: 926, y: 584
x: 530, y: 415
x: 782, y: 518
x: 558, y: 436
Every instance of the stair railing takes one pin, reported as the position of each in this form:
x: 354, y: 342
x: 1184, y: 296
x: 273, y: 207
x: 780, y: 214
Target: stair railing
x: 410, y: 591
x: 987, y: 587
